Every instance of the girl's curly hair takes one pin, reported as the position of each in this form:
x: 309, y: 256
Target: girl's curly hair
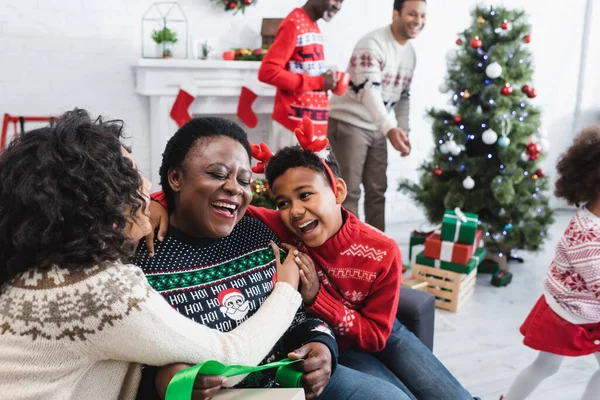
x: 579, y: 168
x: 66, y: 193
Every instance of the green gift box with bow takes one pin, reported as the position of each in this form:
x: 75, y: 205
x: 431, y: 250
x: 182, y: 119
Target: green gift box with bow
x: 461, y: 269
x: 459, y: 227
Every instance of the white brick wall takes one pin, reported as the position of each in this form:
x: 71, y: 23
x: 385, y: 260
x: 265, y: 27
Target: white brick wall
x: 58, y: 54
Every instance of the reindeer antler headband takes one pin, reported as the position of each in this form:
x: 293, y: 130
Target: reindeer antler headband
x: 306, y: 139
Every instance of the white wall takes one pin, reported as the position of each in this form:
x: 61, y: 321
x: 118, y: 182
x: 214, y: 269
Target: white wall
x: 58, y: 54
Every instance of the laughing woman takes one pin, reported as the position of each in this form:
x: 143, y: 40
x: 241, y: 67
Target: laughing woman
x: 75, y: 320
x: 215, y: 265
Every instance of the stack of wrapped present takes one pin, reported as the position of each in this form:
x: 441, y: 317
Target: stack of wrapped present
x: 456, y: 247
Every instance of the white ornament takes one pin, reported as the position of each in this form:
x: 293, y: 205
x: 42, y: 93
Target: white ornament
x: 494, y: 70
x: 453, y: 147
x: 468, y: 183
x: 444, y: 148
x: 503, y: 142
x: 544, y: 145
x: 524, y: 157
x: 451, y: 55
x: 444, y: 88
x: 456, y: 151
x: 489, y: 136
x: 534, y: 138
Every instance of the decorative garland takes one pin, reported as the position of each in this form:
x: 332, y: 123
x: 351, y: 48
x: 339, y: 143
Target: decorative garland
x: 235, y: 5
x: 246, y: 54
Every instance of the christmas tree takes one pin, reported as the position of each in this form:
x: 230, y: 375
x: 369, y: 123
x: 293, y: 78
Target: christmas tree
x: 489, y: 146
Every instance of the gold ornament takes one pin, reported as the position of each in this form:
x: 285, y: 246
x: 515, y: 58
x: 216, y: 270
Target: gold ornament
x: 534, y: 177
x: 481, y: 20
x: 466, y: 94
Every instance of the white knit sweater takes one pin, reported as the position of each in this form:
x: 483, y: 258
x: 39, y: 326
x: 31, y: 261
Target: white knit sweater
x: 381, y: 70
x: 83, y: 334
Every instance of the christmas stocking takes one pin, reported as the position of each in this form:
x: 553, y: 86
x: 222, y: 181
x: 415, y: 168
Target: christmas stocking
x: 184, y: 99
x: 244, y: 110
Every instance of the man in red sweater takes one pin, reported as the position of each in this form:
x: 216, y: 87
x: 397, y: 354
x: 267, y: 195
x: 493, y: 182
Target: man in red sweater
x: 295, y: 65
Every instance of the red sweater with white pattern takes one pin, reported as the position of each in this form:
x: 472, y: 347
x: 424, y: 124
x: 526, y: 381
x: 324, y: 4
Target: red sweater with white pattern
x: 360, y: 270
x: 294, y: 65
x: 572, y: 287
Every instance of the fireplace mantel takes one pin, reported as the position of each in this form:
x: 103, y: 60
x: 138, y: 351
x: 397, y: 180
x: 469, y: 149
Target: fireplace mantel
x: 218, y: 85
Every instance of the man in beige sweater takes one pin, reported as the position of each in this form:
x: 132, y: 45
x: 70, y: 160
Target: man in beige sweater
x: 376, y: 103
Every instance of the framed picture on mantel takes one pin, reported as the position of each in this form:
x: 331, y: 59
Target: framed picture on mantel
x: 269, y: 29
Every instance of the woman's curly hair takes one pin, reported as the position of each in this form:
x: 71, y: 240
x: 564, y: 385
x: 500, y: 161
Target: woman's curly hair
x: 579, y: 168
x: 66, y: 193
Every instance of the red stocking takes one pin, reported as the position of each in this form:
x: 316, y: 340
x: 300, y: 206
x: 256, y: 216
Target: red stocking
x: 244, y: 110
x: 184, y: 99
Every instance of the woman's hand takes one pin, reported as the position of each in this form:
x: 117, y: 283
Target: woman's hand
x: 205, y: 386
x: 159, y: 217
x: 316, y: 367
x: 308, y: 275
x: 288, y: 271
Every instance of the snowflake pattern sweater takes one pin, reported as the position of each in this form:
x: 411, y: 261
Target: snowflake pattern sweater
x: 381, y: 70
x: 360, y: 271
x: 82, y: 333
x: 223, y: 282
x: 294, y: 65
x: 572, y: 287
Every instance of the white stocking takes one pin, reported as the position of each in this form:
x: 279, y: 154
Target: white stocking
x: 544, y: 366
x: 593, y: 387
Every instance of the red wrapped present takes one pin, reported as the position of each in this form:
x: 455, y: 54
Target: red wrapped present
x: 455, y: 253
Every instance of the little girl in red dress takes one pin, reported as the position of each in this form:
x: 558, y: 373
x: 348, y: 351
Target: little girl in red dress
x: 565, y: 321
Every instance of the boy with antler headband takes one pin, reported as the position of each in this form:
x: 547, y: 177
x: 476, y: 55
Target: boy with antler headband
x: 354, y: 282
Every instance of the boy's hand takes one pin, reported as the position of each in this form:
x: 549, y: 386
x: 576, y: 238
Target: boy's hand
x: 288, y: 271
x: 316, y: 367
x: 158, y: 217
x: 308, y: 275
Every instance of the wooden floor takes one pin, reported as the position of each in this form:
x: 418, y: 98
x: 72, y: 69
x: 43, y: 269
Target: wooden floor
x: 481, y: 344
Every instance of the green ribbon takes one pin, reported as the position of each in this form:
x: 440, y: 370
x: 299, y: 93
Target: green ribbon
x: 182, y: 384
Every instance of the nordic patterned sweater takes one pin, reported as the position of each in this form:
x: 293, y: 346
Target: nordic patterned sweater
x: 359, y: 270
x: 294, y: 65
x: 82, y: 334
x: 572, y: 286
x: 378, y: 98
x: 223, y: 282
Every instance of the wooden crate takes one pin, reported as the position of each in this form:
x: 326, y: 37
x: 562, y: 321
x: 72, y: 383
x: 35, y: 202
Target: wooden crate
x: 416, y: 284
x: 451, y: 289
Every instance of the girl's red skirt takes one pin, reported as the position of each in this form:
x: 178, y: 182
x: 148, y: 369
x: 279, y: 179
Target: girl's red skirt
x: 544, y: 330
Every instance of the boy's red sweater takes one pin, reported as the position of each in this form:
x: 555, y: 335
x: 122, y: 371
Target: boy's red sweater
x: 294, y: 65
x: 360, y: 271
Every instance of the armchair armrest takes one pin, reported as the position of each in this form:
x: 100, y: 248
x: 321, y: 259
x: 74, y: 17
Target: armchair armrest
x: 416, y: 311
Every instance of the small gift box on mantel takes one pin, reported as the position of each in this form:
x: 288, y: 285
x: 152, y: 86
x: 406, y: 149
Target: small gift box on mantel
x: 456, y: 253
x: 459, y: 227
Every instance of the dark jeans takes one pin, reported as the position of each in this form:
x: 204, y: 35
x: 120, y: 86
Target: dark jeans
x: 408, y: 364
x: 348, y: 384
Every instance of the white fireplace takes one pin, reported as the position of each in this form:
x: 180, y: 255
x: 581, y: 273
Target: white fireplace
x: 218, y: 85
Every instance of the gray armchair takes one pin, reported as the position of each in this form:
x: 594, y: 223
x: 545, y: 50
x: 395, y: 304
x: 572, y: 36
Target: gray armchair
x: 416, y: 311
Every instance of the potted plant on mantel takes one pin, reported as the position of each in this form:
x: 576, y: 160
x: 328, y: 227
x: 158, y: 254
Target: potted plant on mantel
x: 165, y: 39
